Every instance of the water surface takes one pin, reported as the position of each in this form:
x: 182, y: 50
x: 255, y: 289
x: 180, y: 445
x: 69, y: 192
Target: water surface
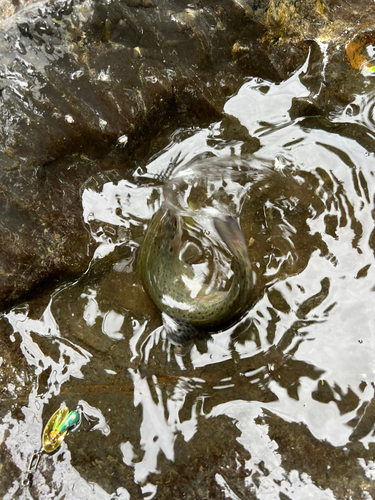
x: 280, y: 404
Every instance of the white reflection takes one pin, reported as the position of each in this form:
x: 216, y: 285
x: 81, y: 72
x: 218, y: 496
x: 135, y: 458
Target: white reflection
x: 156, y: 434
x: 112, y: 321
x: 91, y: 311
x: 138, y: 330
x: 149, y: 490
x: 111, y: 212
x: 264, y: 455
x: 187, y: 149
x: 159, y: 424
x: 46, y: 326
x: 169, y: 301
x: 218, y: 350
x: 269, y: 102
x: 102, y: 206
x: 226, y: 489
x: 90, y: 412
x: 73, y: 486
x: 128, y: 455
x: 60, y: 371
x: 368, y: 467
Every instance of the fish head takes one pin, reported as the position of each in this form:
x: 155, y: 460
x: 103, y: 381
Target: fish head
x: 167, y: 230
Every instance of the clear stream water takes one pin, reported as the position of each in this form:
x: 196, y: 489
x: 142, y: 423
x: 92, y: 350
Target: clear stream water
x: 280, y: 404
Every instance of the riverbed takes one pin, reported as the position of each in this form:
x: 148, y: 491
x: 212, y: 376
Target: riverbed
x: 279, y: 404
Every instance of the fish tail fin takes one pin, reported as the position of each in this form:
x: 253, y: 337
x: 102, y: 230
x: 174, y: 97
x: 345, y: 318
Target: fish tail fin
x: 230, y: 232
x: 178, y: 332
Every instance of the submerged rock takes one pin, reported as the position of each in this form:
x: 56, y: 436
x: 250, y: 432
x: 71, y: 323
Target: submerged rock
x: 85, y: 84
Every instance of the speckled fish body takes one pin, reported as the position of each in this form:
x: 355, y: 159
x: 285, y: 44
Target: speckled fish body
x: 162, y: 271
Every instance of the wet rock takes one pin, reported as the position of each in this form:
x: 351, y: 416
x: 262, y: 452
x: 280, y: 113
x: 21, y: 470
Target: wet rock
x: 82, y: 81
x: 87, y: 85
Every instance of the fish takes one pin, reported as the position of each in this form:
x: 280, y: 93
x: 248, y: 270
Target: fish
x: 164, y: 275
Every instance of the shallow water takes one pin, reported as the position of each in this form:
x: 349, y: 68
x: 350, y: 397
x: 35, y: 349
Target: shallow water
x: 279, y: 405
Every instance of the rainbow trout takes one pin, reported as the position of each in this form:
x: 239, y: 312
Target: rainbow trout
x: 163, y: 272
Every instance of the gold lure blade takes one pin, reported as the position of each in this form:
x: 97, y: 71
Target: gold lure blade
x: 52, y: 438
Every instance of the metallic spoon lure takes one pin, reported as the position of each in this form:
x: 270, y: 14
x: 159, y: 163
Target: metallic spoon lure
x: 53, y: 435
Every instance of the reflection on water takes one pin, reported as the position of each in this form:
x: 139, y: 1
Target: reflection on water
x: 282, y: 402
